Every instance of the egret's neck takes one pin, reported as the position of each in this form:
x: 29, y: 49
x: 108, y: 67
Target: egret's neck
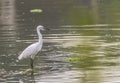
x: 39, y: 35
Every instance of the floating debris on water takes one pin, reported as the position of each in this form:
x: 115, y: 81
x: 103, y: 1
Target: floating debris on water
x: 36, y: 10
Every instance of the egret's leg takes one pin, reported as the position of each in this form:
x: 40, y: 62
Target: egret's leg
x: 31, y: 63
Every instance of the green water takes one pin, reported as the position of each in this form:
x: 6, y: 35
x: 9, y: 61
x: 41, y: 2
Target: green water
x: 82, y: 45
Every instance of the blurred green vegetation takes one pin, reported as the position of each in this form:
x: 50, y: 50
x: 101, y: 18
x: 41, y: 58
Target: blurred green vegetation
x: 94, y: 12
x: 81, y: 16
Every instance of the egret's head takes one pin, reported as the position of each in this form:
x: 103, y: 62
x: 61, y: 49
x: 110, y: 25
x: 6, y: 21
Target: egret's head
x: 40, y: 27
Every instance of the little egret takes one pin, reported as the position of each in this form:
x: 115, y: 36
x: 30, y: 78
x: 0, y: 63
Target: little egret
x: 34, y: 48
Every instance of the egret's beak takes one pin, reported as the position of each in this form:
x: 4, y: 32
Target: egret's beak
x: 46, y: 29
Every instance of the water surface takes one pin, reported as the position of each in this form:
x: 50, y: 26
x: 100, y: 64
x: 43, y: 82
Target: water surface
x: 82, y: 45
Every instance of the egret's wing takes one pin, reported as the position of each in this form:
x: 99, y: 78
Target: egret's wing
x: 29, y: 51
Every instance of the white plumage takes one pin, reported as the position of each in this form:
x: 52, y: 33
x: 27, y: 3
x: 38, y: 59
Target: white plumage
x: 30, y: 53
x: 34, y: 48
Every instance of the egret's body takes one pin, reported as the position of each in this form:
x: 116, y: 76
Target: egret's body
x: 34, y: 48
x: 30, y: 53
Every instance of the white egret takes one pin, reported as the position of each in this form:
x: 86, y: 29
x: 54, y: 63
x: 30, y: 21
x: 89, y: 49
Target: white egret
x: 34, y: 48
